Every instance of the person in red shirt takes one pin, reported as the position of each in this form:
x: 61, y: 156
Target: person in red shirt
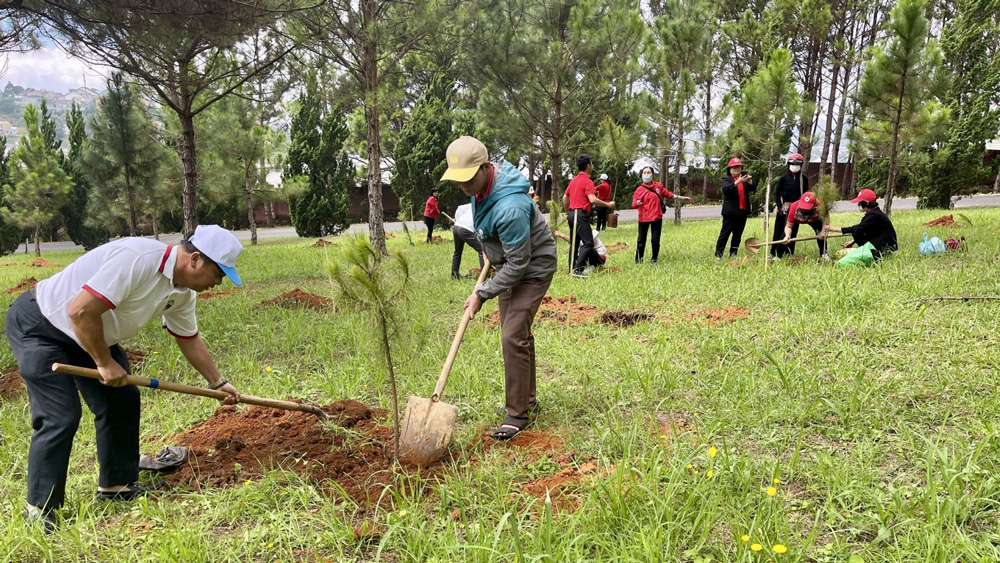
x: 736, y: 190
x: 431, y: 213
x: 577, y: 199
x: 603, y: 192
x: 806, y: 211
x: 648, y: 199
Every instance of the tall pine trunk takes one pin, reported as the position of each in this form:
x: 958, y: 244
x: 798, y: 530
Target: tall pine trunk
x: 707, y: 139
x: 133, y: 219
x: 677, y: 169
x: 38, y: 244
x: 376, y: 215
x: 248, y: 198
x: 838, y: 134
x: 827, y: 133
x: 189, y: 193
x: 890, y: 188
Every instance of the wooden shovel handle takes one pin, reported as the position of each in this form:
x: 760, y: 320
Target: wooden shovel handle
x: 799, y: 239
x: 190, y: 389
x: 457, y: 341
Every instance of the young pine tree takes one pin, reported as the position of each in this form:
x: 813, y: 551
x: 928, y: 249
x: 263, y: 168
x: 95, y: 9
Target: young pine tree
x: 38, y: 185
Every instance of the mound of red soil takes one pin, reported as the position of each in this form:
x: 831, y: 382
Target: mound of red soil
x: 11, y: 384
x: 943, y: 221
x: 237, y: 445
x: 534, y: 441
x: 713, y: 317
x: 23, y: 285
x: 626, y: 318
x: 215, y: 294
x: 436, y: 238
x: 296, y: 299
x: 321, y: 243
x: 135, y: 357
x: 42, y: 263
x: 556, y: 309
x: 560, y: 488
x: 616, y: 247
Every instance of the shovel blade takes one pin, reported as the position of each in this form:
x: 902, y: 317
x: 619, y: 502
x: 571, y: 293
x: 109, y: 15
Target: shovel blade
x: 427, y: 429
x: 752, y: 245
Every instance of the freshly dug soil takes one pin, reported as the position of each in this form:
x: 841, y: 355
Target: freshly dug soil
x: 713, y: 317
x: 11, y: 384
x: 298, y: 298
x: 135, y: 357
x: 42, y: 263
x: 237, y: 445
x: 555, y: 309
x: 436, y: 238
x: 626, y: 318
x: 8, y: 264
x: 321, y: 243
x: 616, y: 247
x: 561, y: 487
x: 215, y: 294
x: 943, y: 221
x: 24, y: 285
x: 477, y: 271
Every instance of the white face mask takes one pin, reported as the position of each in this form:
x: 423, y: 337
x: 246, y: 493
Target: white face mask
x: 795, y: 168
x: 647, y: 178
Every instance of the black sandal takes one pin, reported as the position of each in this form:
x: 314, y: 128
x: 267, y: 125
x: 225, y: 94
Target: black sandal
x: 509, y: 428
x: 131, y: 492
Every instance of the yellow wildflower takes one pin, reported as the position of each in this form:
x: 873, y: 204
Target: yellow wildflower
x: 710, y: 474
x: 247, y: 483
x: 663, y: 436
x: 771, y: 491
x: 776, y: 480
x: 268, y: 368
x: 712, y: 451
x: 756, y: 547
x: 778, y: 548
x: 745, y: 538
x: 270, y: 545
x: 689, y: 466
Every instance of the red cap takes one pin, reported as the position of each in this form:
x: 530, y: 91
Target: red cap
x: 808, y: 201
x: 795, y: 158
x: 865, y: 195
x: 735, y: 162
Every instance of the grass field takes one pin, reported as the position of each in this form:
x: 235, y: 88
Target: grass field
x: 833, y: 423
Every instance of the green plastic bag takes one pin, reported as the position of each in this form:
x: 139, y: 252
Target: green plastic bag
x: 858, y: 257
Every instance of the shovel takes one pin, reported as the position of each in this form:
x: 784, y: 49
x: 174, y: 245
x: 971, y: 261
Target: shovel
x: 753, y: 245
x: 193, y: 390
x: 429, y: 423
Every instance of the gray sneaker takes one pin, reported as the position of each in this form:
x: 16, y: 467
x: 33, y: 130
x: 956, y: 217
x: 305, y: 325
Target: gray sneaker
x: 47, y: 519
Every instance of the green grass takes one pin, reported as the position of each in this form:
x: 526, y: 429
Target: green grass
x: 878, y: 418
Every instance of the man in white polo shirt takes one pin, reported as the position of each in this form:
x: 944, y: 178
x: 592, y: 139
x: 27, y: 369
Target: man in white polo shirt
x: 78, y: 317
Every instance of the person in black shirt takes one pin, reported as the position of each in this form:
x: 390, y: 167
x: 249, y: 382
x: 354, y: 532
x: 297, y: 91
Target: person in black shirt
x: 789, y: 188
x: 875, y: 227
x: 736, y: 190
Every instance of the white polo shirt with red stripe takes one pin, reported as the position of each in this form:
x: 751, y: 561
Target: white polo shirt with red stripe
x: 133, y: 276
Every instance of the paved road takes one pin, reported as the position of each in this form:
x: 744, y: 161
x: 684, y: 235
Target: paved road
x: 626, y: 216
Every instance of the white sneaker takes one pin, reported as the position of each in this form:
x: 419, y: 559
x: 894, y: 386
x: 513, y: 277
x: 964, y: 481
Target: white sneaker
x: 582, y: 275
x: 827, y: 258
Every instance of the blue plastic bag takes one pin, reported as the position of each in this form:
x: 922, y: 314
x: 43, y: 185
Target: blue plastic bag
x: 932, y: 246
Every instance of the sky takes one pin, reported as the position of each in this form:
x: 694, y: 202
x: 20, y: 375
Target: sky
x: 51, y: 69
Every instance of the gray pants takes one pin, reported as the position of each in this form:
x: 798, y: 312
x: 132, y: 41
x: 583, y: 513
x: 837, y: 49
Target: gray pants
x: 518, y: 307
x: 464, y: 237
x: 55, y: 407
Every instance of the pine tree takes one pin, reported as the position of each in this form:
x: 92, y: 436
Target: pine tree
x: 10, y: 235
x: 318, y: 168
x: 75, y: 212
x: 763, y: 120
x: 123, y: 158
x: 897, y: 86
x: 38, y: 185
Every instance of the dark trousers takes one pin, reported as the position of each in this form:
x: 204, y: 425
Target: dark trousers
x: 583, y: 242
x: 640, y: 244
x: 780, y: 250
x: 464, y: 237
x: 602, y: 218
x: 518, y: 307
x: 734, y: 225
x: 430, y: 227
x: 55, y: 407
x: 817, y: 226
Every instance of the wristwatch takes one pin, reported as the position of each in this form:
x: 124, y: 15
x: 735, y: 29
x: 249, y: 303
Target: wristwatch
x: 222, y: 381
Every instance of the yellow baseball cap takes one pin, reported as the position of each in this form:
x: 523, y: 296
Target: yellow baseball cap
x: 464, y: 156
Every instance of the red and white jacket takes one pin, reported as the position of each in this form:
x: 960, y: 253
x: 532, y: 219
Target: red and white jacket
x: 431, y: 209
x: 647, y: 200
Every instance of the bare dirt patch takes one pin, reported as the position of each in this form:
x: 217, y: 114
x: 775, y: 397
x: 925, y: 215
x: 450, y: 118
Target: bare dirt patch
x: 943, y: 221
x: 11, y: 384
x: 216, y: 294
x: 298, y: 299
x: 6, y: 264
x: 616, y: 247
x: 714, y: 317
x: 557, y: 308
x: 436, y: 238
x: 323, y: 243
x: 236, y: 445
x: 562, y: 487
x: 42, y: 263
x: 624, y: 319
x: 23, y: 285
x: 135, y: 357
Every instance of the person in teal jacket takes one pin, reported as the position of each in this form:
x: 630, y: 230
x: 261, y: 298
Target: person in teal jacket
x: 518, y: 242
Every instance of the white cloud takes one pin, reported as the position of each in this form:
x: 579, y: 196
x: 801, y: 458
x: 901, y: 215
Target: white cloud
x: 52, y: 69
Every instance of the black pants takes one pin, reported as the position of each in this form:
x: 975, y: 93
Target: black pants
x: 464, y: 237
x: 55, y: 407
x: 780, y: 250
x: 640, y: 244
x: 602, y: 218
x: 731, y: 224
x: 584, y: 240
x: 430, y: 227
x: 817, y: 226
